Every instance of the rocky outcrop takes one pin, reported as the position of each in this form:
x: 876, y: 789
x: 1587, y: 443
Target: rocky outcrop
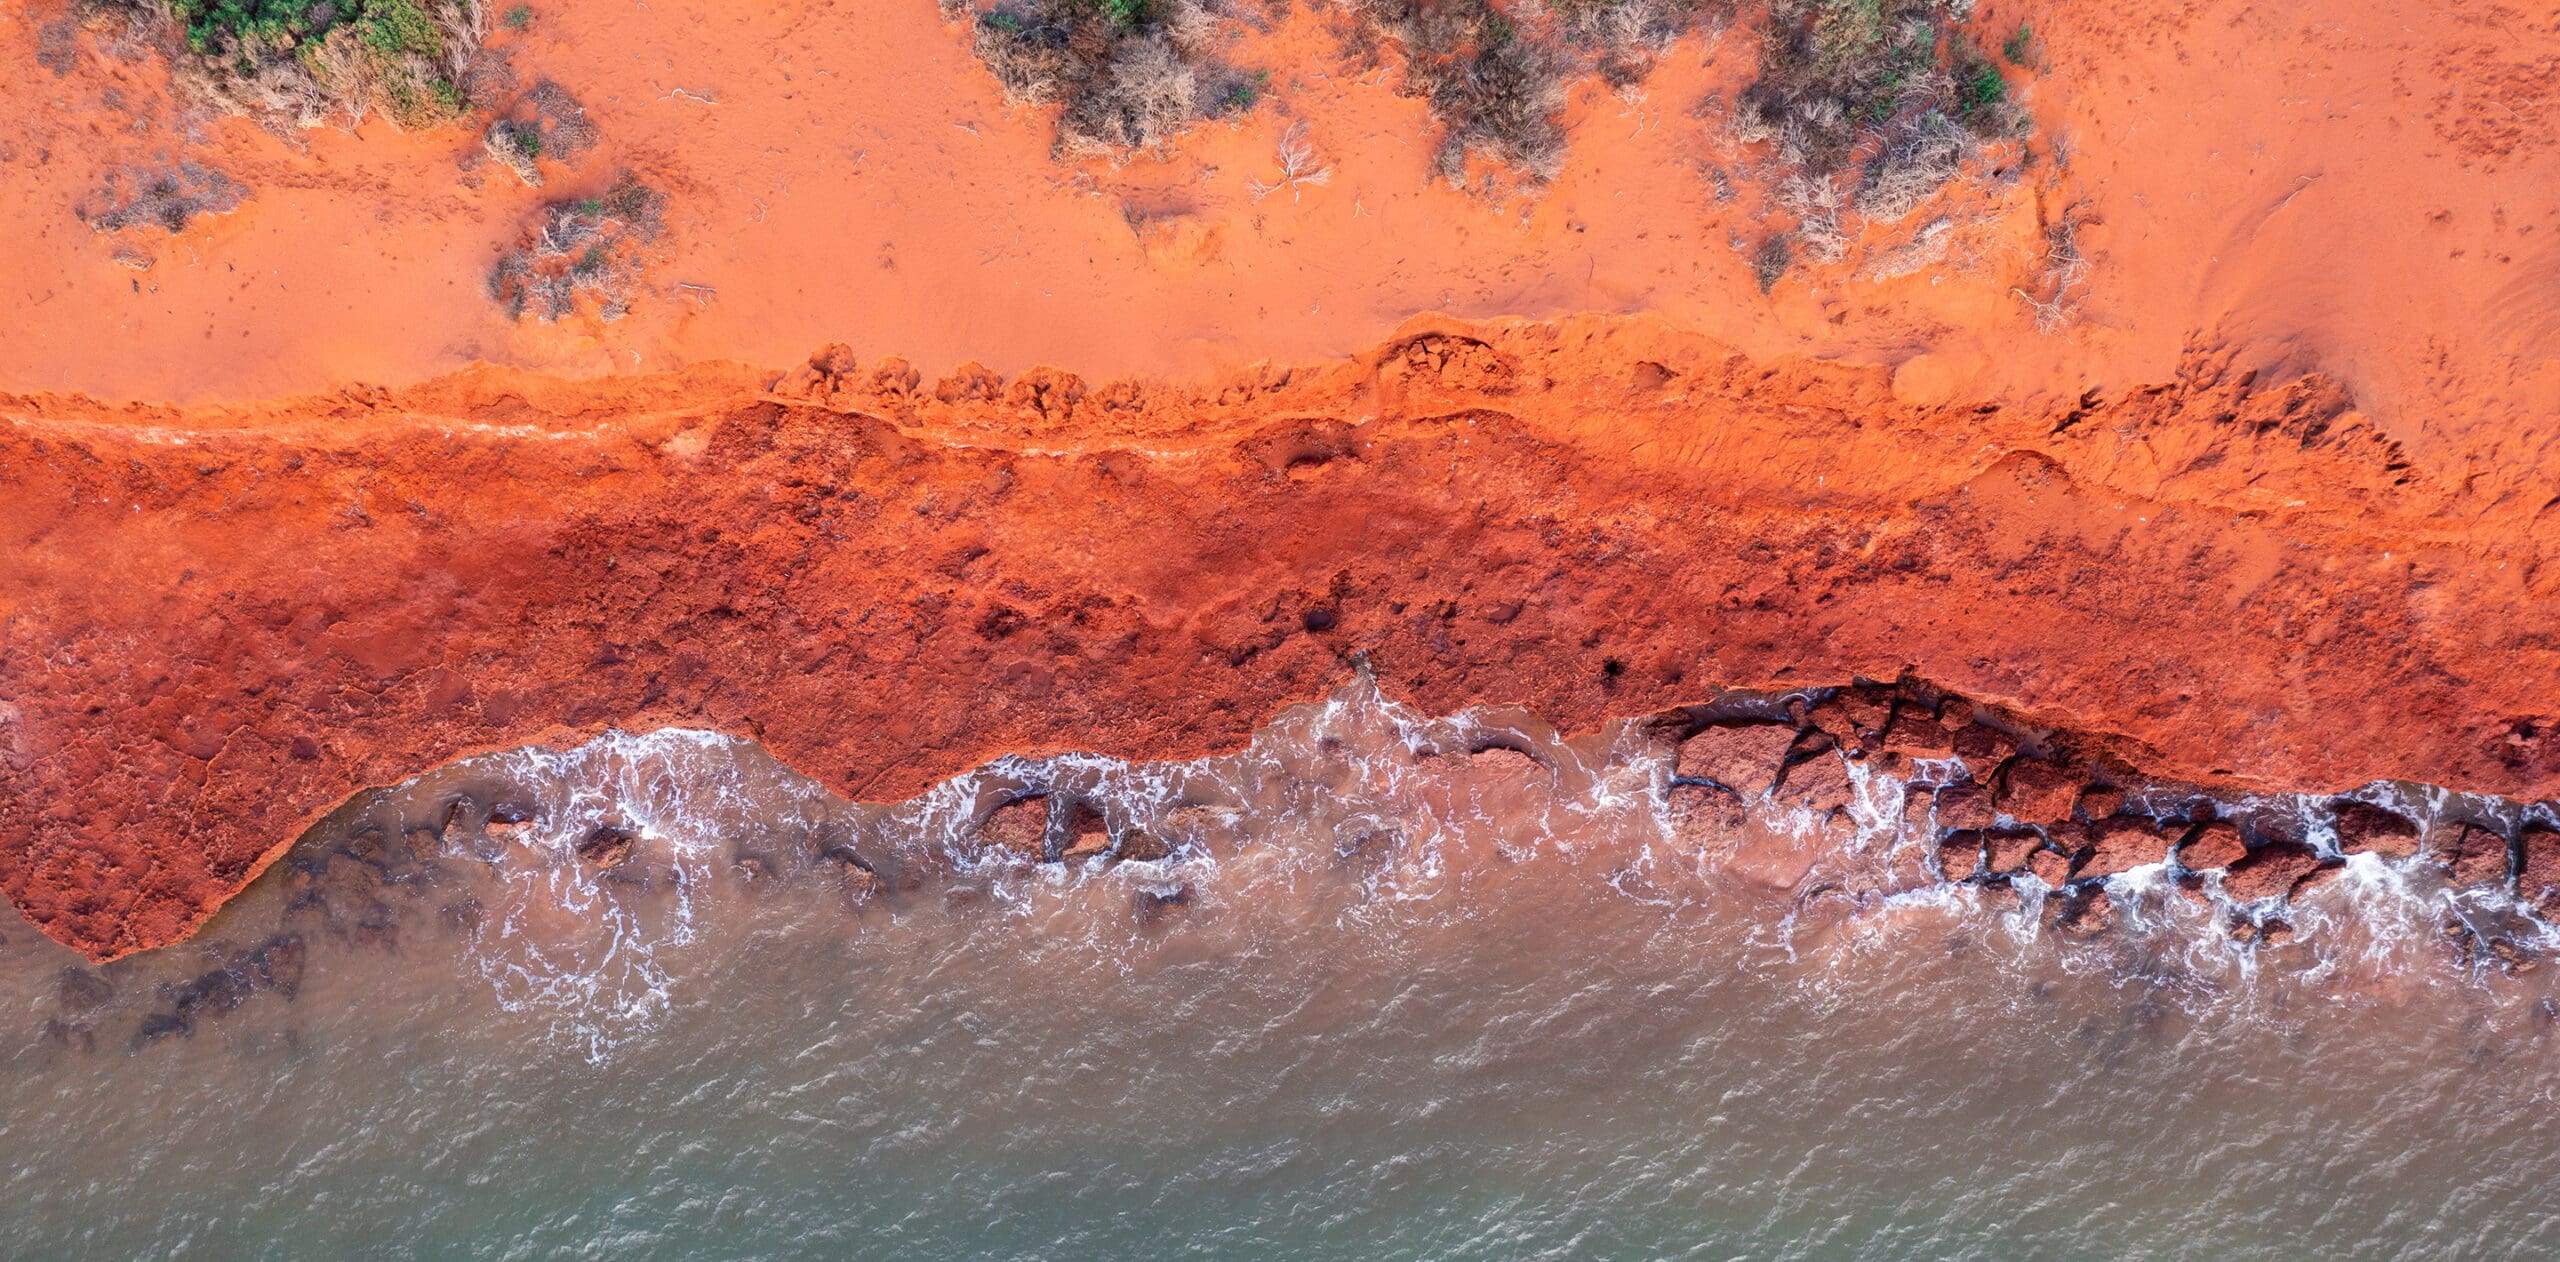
x: 220, y: 623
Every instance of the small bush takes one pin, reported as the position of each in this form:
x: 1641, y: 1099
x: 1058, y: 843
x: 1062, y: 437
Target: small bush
x: 167, y: 198
x: 582, y: 255
x: 519, y: 18
x: 1771, y: 261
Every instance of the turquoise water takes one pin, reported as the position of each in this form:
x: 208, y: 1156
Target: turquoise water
x: 1402, y: 1002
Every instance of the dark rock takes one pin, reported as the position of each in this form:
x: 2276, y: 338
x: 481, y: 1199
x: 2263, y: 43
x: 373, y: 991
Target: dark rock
x: 1151, y: 907
x: 1915, y: 735
x: 1983, y: 746
x: 1744, y: 758
x: 1087, y: 835
x: 2121, y: 843
x: 607, y: 845
x: 2364, y: 828
x: 2088, y: 911
x: 277, y: 964
x: 2329, y: 870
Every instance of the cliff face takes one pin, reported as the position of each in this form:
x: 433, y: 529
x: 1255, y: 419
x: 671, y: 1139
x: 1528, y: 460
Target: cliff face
x: 219, y: 624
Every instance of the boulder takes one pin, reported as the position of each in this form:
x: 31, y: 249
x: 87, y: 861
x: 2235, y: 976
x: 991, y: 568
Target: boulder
x: 2269, y: 871
x: 1742, y: 758
x: 1818, y: 783
x: 1983, y: 746
x: 2216, y: 845
x: 2121, y: 843
x: 2364, y: 828
x: 2050, y: 866
x: 2538, y: 872
x: 1021, y: 827
x: 1913, y: 734
x: 2088, y: 911
x: 2037, y: 792
x: 2007, y: 849
x: 1965, y: 805
x: 1960, y: 855
x: 2471, y: 856
x: 607, y: 845
x: 2098, y: 802
x: 1704, y: 819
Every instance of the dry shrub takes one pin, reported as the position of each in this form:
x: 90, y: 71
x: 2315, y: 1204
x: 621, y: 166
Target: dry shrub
x: 1132, y: 74
x: 547, y: 123
x: 1495, y: 88
x: 167, y: 197
x: 588, y: 254
x: 289, y: 62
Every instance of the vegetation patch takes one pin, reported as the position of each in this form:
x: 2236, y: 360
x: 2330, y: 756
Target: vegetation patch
x: 168, y: 198
x: 587, y: 255
x: 1130, y: 74
x: 314, y: 62
x: 1871, y: 108
x: 1496, y: 76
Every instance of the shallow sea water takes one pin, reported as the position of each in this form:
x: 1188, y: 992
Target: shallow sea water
x: 1405, y: 1000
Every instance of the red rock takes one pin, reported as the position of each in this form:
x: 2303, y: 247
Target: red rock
x: 1853, y: 716
x: 1954, y: 713
x: 1965, y: 805
x: 1021, y: 827
x: 2367, y: 829
x: 1087, y: 835
x: 2328, y: 871
x: 1743, y: 758
x: 2192, y: 886
x: 2472, y: 857
x: 2050, y: 866
x: 2269, y: 871
x: 2036, y: 792
x: 2099, y: 802
x: 1819, y: 783
x: 1983, y: 746
x: 2121, y: 843
x: 1704, y: 819
x: 2216, y: 845
x: 2538, y: 872
x: 2275, y: 933
x: 1915, y: 735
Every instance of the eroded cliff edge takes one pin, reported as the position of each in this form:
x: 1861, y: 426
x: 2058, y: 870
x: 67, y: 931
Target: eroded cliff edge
x: 219, y: 623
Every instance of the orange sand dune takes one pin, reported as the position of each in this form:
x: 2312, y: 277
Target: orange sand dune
x: 2354, y: 187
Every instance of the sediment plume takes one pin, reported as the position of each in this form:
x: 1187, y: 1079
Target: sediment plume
x: 222, y: 622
